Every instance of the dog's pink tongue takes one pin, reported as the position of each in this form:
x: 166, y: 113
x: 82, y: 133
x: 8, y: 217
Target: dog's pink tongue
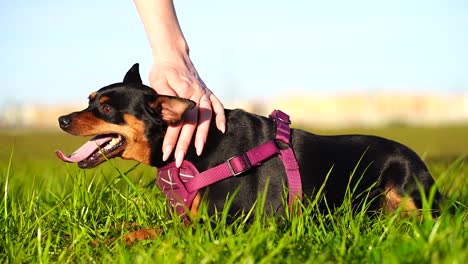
x: 84, y: 151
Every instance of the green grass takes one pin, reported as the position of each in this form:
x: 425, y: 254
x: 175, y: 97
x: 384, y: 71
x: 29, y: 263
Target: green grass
x: 55, y: 212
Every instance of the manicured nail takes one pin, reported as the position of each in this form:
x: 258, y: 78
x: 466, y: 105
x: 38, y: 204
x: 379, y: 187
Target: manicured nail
x: 199, y: 147
x: 179, y: 157
x: 167, y: 152
x: 222, y: 127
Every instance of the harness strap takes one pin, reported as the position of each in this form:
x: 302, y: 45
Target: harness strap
x: 241, y: 163
x: 283, y: 133
x: 233, y: 166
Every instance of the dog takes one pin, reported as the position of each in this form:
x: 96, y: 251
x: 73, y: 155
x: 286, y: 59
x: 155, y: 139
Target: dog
x: 129, y: 119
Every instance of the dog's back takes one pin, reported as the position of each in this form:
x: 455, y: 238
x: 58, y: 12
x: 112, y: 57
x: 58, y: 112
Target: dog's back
x: 377, y: 169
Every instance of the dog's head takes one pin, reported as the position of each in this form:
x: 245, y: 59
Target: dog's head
x: 125, y: 119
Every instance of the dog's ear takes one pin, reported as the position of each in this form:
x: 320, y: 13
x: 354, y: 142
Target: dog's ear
x: 172, y: 109
x: 133, y: 75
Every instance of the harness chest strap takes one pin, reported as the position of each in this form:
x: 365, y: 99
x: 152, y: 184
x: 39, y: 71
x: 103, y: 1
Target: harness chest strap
x: 233, y: 166
x: 181, y: 185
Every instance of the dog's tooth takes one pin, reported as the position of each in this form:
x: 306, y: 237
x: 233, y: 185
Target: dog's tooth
x: 114, y: 141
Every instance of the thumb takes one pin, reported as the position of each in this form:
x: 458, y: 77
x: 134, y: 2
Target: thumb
x: 162, y: 87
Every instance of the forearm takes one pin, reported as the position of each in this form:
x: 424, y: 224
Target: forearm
x: 173, y: 73
x: 162, y: 28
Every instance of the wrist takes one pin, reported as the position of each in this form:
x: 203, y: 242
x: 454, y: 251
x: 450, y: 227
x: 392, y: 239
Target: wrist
x: 169, y: 48
x: 162, y: 27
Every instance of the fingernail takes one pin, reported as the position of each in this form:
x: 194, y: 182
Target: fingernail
x: 222, y: 127
x: 167, y: 152
x: 199, y: 147
x: 179, y: 157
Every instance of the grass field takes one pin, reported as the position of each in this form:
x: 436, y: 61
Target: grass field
x: 55, y: 212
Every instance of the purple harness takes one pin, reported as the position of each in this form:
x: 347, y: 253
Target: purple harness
x: 181, y: 185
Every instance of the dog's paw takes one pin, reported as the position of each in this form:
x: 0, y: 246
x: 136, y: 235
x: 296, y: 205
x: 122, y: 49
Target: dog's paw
x: 138, y: 235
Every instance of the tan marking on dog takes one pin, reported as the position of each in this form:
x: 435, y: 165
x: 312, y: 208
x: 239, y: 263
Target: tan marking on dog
x: 136, y: 145
x: 86, y: 124
x: 394, y: 201
x: 92, y: 96
x: 103, y: 99
x: 195, y: 205
x: 139, y: 149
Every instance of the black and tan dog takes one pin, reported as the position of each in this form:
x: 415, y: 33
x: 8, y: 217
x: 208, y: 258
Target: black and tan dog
x: 129, y: 120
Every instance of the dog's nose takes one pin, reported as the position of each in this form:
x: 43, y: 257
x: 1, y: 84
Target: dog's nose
x: 64, y: 121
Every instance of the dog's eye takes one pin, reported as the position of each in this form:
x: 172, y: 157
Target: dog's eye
x: 106, y: 109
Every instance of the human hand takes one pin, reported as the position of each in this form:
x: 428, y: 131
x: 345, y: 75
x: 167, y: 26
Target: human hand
x: 178, y: 77
x: 173, y: 74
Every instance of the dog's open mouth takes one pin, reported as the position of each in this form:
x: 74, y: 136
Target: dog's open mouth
x: 92, y: 152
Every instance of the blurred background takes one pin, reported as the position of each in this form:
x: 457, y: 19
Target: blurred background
x: 397, y: 69
x: 331, y: 65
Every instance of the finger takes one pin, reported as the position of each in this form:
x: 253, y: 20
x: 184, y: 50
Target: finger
x: 218, y: 109
x: 172, y: 132
x: 203, y: 127
x: 185, y: 136
x: 170, y: 140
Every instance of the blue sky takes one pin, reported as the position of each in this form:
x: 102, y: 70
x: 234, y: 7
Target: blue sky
x: 59, y: 51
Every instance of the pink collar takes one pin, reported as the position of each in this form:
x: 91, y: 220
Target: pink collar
x: 181, y: 185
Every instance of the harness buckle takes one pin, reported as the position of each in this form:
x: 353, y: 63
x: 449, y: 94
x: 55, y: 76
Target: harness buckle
x: 238, y: 164
x: 278, y: 115
x: 286, y: 121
